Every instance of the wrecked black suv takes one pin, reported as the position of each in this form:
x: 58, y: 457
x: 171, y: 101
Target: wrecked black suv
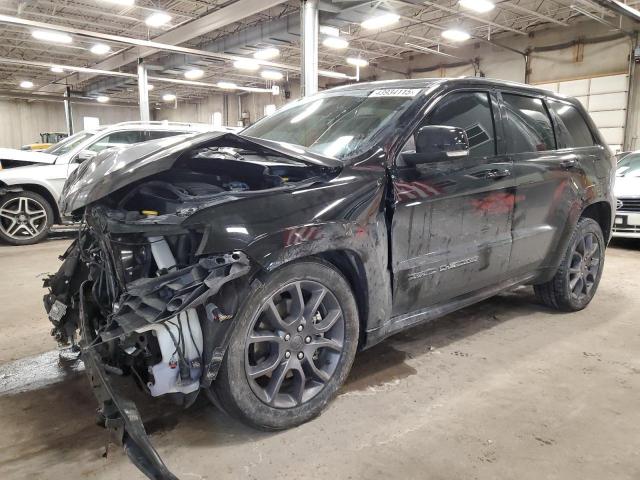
x: 252, y: 267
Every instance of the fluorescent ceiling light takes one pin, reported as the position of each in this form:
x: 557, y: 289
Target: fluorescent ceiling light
x: 246, y: 64
x: 102, y: 99
x: 456, y: 35
x: 193, y: 74
x: 330, y: 31
x: 271, y: 75
x: 127, y: 3
x: 26, y: 84
x: 380, y: 21
x: 266, y: 53
x: 335, y: 42
x: 227, y: 85
x: 357, y: 62
x: 157, y: 19
x: 168, y: 97
x: 480, y: 6
x: 57, y: 69
x: 100, y: 49
x: 332, y: 74
x: 50, y: 36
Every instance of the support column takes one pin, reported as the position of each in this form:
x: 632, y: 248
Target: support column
x: 309, y: 36
x: 67, y: 110
x: 143, y: 92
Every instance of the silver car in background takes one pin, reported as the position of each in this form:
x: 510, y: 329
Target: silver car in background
x: 627, y: 192
x: 31, y: 182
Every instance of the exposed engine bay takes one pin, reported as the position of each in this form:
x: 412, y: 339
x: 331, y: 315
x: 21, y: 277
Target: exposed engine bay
x: 136, y: 295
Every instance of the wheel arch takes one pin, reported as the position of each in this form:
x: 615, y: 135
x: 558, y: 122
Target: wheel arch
x: 601, y: 212
x: 352, y: 268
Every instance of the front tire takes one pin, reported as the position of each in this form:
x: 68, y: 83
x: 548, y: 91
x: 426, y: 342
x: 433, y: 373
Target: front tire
x: 577, y: 279
x: 292, y: 348
x: 25, y: 218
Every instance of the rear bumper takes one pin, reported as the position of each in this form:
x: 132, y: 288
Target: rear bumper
x: 121, y: 417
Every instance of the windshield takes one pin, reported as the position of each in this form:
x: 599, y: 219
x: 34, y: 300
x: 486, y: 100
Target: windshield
x: 338, y: 125
x: 69, y: 143
x: 629, y: 166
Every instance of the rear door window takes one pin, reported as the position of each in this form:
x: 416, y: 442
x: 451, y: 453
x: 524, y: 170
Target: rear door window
x: 118, y: 139
x: 573, y: 130
x: 157, y: 134
x: 528, y: 124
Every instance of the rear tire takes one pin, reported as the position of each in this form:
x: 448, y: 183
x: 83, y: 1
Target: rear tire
x: 25, y: 218
x: 577, y: 279
x: 292, y: 348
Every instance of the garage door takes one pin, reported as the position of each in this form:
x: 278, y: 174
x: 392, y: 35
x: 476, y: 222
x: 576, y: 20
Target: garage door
x: 606, y: 100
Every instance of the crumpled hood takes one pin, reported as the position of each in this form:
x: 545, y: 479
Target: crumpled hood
x: 118, y: 167
x: 26, y: 156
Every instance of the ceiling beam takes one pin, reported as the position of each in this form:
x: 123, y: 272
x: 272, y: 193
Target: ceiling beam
x: 620, y: 8
x: 169, y: 40
x: 422, y: 3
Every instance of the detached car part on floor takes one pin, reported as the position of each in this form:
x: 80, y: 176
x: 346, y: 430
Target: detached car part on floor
x: 253, y: 266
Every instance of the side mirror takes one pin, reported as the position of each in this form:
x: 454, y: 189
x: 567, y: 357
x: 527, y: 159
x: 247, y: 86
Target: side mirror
x: 437, y: 143
x: 85, y: 155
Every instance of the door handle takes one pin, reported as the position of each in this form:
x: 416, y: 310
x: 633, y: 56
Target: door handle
x: 496, y: 174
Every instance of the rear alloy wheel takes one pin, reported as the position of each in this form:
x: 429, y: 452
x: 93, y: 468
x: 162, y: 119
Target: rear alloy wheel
x: 576, y: 281
x: 25, y: 218
x: 292, y: 349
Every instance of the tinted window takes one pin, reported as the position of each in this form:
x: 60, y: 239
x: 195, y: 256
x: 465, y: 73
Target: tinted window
x: 157, y: 134
x: 573, y: 130
x: 528, y: 126
x: 470, y: 111
x: 118, y: 139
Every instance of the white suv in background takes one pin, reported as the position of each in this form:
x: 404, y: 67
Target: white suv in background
x: 627, y: 193
x: 31, y: 182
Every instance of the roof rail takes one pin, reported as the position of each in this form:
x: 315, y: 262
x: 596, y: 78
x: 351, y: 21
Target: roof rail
x: 159, y: 122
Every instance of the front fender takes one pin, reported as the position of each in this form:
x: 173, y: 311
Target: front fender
x: 345, y: 214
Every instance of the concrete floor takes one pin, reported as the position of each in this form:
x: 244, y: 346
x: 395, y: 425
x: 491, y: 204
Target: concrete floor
x: 504, y: 389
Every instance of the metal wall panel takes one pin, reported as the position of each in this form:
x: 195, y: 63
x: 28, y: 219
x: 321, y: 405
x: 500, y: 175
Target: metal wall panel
x: 610, y: 118
x: 607, y: 102
x: 574, y: 88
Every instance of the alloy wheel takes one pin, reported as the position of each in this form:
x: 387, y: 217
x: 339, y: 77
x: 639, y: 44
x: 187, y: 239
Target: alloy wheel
x: 294, y: 344
x: 22, y: 218
x: 584, y: 266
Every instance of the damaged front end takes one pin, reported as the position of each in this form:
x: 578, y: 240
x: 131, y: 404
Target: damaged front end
x: 141, y: 311
x: 137, y: 295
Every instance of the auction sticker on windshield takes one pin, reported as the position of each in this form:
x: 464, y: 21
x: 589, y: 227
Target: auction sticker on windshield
x: 396, y: 92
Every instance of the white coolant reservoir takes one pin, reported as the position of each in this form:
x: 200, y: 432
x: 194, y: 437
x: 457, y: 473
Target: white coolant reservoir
x: 166, y: 373
x: 180, y: 333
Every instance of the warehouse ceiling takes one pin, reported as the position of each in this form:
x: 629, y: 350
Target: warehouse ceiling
x: 418, y: 30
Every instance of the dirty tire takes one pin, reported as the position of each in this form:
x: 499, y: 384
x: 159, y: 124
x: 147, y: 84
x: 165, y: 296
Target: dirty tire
x: 305, y: 388
x: 29, y: 207
x: 576, y: 281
